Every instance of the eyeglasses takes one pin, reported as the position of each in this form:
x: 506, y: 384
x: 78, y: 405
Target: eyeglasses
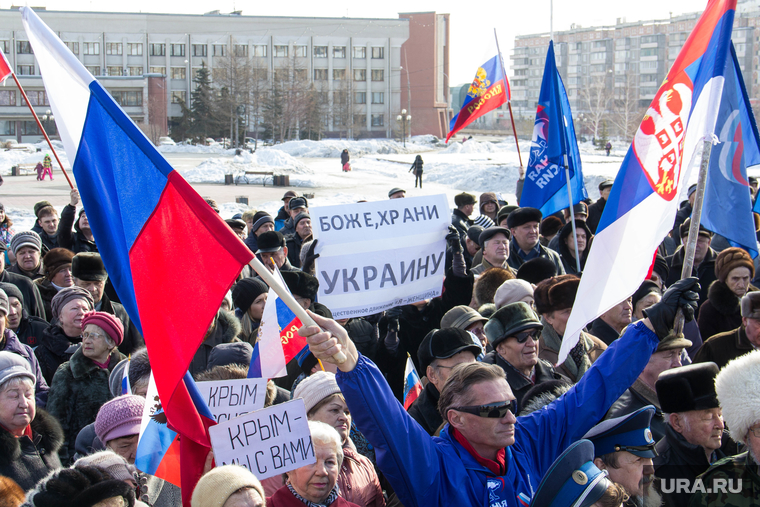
x: 94, y: 336
x: 491, y: 411
x: 755, y: 431
x: 531, y: 333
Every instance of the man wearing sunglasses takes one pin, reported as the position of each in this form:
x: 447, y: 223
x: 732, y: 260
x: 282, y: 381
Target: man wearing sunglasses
x: 485, y: 456
x: 513, y: 332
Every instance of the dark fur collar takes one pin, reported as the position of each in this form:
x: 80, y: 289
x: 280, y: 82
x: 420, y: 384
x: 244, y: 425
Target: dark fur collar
x: 722, y: 299
x: 44, y: 425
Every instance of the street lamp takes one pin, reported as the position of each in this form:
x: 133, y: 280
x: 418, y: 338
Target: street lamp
x: 48, y: 116
x: 404, y: 118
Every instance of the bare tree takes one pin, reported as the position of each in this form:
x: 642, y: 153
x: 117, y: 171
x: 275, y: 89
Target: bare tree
x: 232, y: 77
x: 595, y: 97
x: 627, y: 112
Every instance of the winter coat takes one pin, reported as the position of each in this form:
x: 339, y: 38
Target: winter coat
x: 226, y: 329
x: 27, y: 460
x: 48, y: 242
x: 358, y: 480
x: 12, y: 344
x: 595, y: 214
x: 32, y: 275
x: 519, y: 383
x: 365, y: 336
x: 32, y: 299
x: 723, y: 347
x: 682, y: 214
x: 462, y: 223
x: 678, y: 459
x: 741, y: 474
x: 485, y: 266
x: 288, y: 228
x: 73, y: 240
x: 721, y: 312
x: 425, y: 471
x: 705, y: 271
x: 548, y: 350
x: 416, y: 168
x: 55, y: 348
x: 344, y: 157
x: 78, y: 390
x: 636, y: 397
x: 30, y: 330
x: 252, y: 243
x: 133, y: 340
x: 424, y: 410
x: 47, y: 293
x: 515, y: 261
x: 284, y: 498
x: 568, y: 261
x: 603, y: 331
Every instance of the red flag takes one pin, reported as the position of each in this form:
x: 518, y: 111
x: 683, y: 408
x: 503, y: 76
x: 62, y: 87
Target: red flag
x: 5, y: 68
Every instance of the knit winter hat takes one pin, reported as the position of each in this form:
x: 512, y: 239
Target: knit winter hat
x: 3, y: 302
x: 78, y: 487
x: 316, y: 388
x: 39, y: 205
x: 12, y: 291
x: 13, y: 365
x: 550, y: 226
x: 738, y: 388
x: 261, y: 218
x: 512, y: 291
x: 731, y: 258
x: 300, y: 217
x: 119, y: 417
x: 56, y: 260
x: 111, y: 324
x: 65, y: 296
x: 245, y: 292
x: 215, y: 487
x: 26, y: 238
x: 483, y: 221
x: 109, y: 462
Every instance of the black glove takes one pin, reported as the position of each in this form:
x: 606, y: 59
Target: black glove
x: 682, y: 294
x: 394, y: 313
x: 310, y: 257
x: 452, y: 238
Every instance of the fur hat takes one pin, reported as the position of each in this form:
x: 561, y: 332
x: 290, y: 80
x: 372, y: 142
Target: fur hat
x: 738, y: 388
x: 557, y: 293
x: 301, y: 284
x: 78, y: 487
x: 245, y: 292
x: 212, y: 203
x: 646, y: 288
x: 56, y: 260
x: 111, y: 324
x: 26, y: 238
x: 464, y: 199
x: 509, y: 321
x: 216, y: 486
x: 88, y: 266
x: 686, y: 388
x: 316, y: 388
x: 750, y: 305
x: 550, y: 226
x: 522, y: 216
x: 732, y: 258
x: 544, y: 393
x: 512, y: 291
x: 489, y: 282
x: 270, y: 241
x: 536, y: 270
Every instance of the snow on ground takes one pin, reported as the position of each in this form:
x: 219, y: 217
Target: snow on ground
x: 331, y: 148
x: 213, y: 170
x: 190, y: 148
x: 9, y: 158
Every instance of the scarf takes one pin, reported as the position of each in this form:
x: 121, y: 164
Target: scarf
x: 330, y: 498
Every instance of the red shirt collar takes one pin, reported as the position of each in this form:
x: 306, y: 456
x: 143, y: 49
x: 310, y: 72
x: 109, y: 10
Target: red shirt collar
x: 498, y: 467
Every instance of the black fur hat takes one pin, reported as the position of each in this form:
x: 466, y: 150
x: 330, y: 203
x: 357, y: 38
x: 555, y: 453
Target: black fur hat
x: 536, y: 270
x: 79, y: 487
x: 301, y: 284
x: 88, y: 266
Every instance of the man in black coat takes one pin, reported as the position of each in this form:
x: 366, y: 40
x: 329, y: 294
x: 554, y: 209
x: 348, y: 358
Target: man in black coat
x: 32, y: 300
x: 81, y: 238
x: 302, y: 224
x: 460, y: 218
x: 523, y: 224
x: 704, y: 260
x: 595, y: 210
x: 46, y: 225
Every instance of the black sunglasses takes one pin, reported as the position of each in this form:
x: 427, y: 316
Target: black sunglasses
x: 492, y: 410
x: 531, y: 333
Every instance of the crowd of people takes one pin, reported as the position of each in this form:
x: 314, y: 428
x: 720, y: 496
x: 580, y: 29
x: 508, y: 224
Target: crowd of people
x: 637, y: 414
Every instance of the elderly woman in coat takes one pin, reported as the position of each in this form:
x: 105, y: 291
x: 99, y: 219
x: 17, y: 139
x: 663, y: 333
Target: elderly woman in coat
x: 80, y: 386
x: 29, y: 437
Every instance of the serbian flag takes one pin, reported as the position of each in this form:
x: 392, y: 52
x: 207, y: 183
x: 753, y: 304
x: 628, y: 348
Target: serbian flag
x: 643, y: 201
x: 554, y: 139
x: 488, y: 90
x: 727, y: 208
x: 170, y: 257
x: 278, y: 342
x: 5, y: 68
x: 412, y: 383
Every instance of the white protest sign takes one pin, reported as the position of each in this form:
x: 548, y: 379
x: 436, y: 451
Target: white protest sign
x: 376, y: 255
x: 230, y: 398
x: 267, y: 442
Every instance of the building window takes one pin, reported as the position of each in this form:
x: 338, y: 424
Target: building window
x: 301, y: 74
x: 178, y: 50
x: 128, y: 98
x: 7, y: 127
x: 25, y: 70
x: 135, y: 71
x: 378, y: 120
x: 360, y: 53
x: 378, y: 53
x: 281, y: 51
x: 7, y: 97
x: 360, y: 119
x: 218, y: 75
x: 158, y: 50
x: 5, y: 45
x: 649, y: 65
x: 649, y: 52
x: 240, y: 50
x: 339, y: 74
x: 36, y: 98
x: 339, y: 121
x: 378, y: 98
x: 200, y: 50
x: 179, y: 96
x: 360, y: 97
x: 113, y: 48
x: 339, y: 51
x: 360, y: 74
x: 134, y: 48
x: 93, y: 69
x: 30, y: 128
x: 158, y: 70
x: 377, y: 74
x: 320, y: 51
x: 73, y: 47
x: 178, y: 73
x: 115, y: 71
x: 300, y: 51
x: 281, y: 75
x: 320, y: 74
x: 260, y: 51
x: 24, y: 47
x: 220, y: 50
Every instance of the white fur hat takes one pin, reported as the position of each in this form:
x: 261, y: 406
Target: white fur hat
x: 738, y: 388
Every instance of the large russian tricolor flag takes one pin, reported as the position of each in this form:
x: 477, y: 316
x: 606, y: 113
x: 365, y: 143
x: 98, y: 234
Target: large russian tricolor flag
x: 642, y: 205
x: 170, y: 257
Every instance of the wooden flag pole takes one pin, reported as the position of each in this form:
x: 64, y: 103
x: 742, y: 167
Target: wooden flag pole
x: 288, y: 299
x: 39, y: 124
x: 509, y: 102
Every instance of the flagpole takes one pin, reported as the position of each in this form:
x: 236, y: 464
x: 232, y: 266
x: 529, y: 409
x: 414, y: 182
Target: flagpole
x: 696, y: 216
x: 288, y: 299
x: 509, y: 102
x: 55, y: 154
x: 572, y: 214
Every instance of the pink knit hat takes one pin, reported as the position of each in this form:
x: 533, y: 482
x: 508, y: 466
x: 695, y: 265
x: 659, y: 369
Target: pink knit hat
x: 119, y: 417
x: 108, y: 323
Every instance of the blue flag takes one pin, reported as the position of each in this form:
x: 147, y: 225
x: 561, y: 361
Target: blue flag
x: 545, y: 185
x: 727, y: 208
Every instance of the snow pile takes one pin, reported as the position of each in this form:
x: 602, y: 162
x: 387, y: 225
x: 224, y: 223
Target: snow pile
x: 9, y: 158
x: 471, y: 147
x: 189, y: 148
x: 331, y: 148
x: 213, y: 170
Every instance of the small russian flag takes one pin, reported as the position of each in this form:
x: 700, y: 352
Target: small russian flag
x: 412, y: 383
x: 126, y: 388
